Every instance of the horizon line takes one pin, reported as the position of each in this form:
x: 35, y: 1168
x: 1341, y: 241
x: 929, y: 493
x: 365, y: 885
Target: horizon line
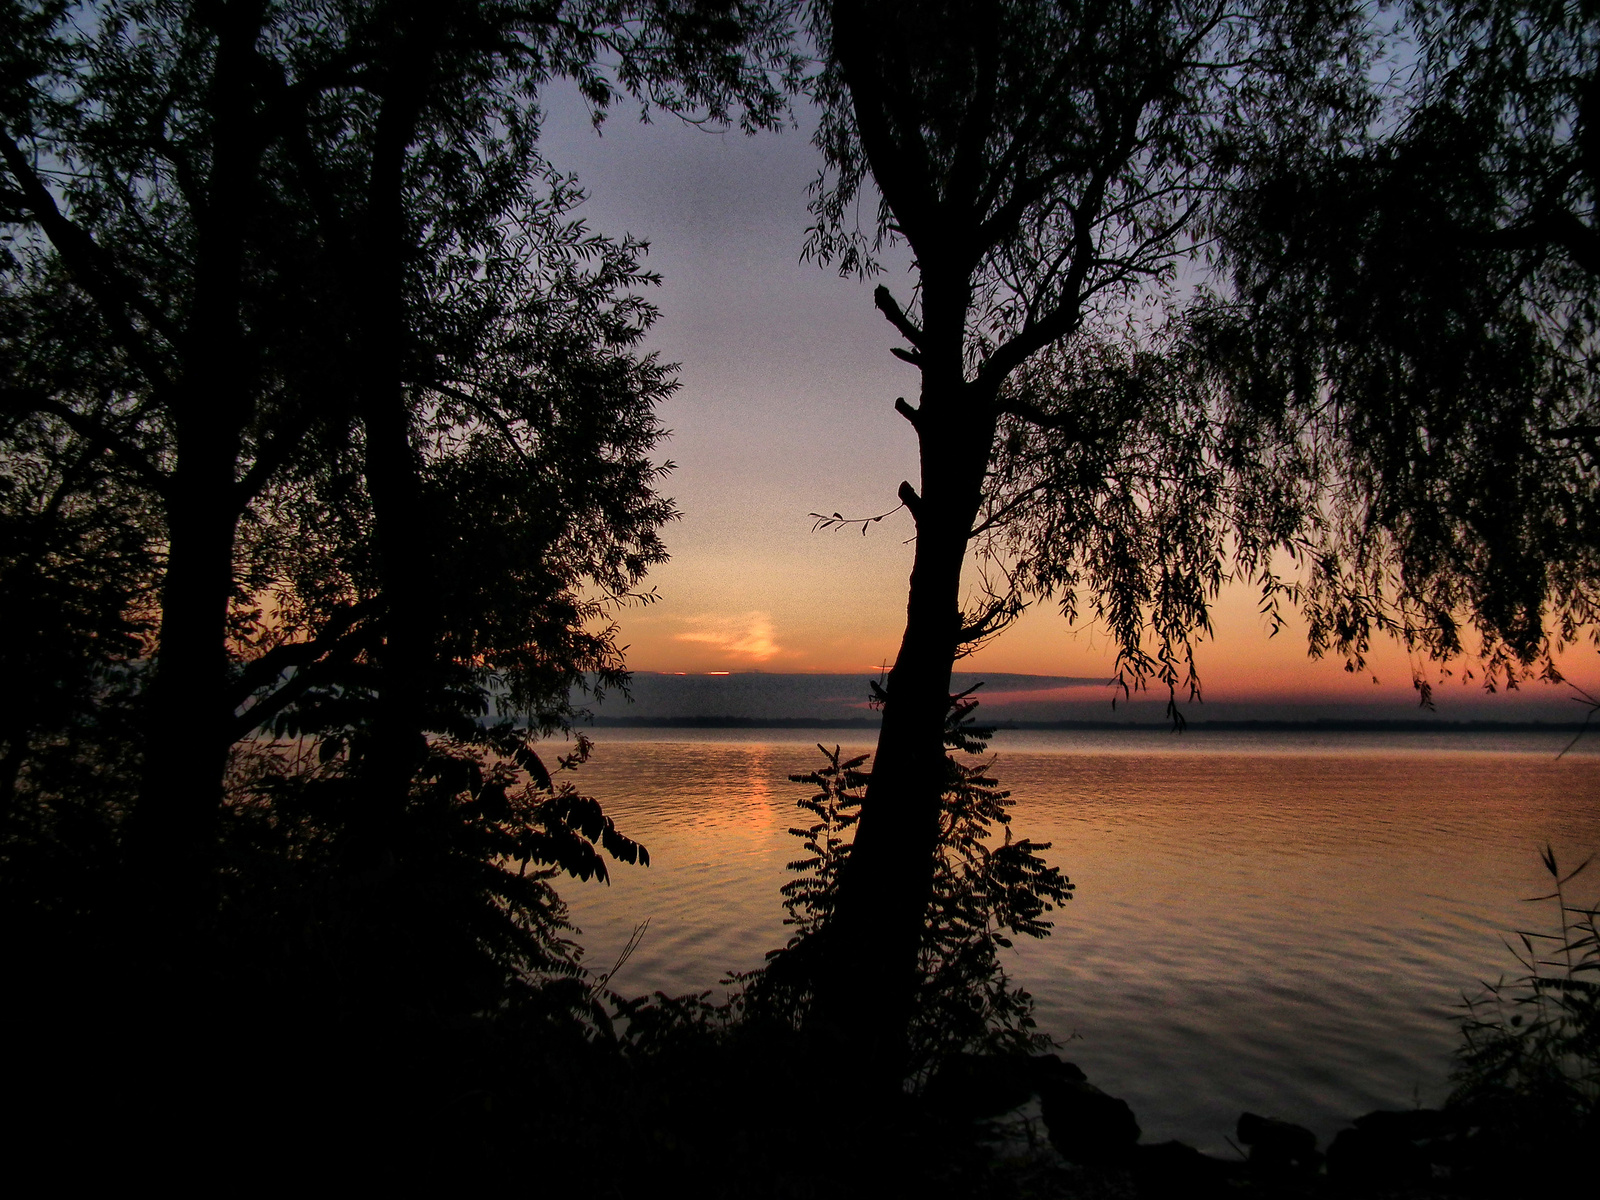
x: 1323, y: 724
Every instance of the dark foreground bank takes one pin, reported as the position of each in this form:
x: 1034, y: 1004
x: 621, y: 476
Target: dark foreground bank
x: 667, y: 1096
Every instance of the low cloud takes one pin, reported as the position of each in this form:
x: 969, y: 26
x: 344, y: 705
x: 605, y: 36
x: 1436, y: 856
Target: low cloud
x: 1073, y: 692
x: 747, y: 636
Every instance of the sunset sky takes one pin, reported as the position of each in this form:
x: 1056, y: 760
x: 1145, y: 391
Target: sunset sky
x: 786, y: 408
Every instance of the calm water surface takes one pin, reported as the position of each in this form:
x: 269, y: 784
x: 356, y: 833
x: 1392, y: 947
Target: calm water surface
x: 1275, y: 922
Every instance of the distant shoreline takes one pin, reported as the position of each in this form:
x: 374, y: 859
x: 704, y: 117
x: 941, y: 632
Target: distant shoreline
x: 1315, y: 726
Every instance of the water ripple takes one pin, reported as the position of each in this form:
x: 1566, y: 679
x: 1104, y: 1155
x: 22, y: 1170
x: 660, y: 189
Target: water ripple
x: 1257, y: 926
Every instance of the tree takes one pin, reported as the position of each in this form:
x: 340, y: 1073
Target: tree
x: 77, y: 561
x: 336, y: 283
x: 981, y: 897
x: 1432, y: 285
x: 327, y: 357
x: 1047, y: 164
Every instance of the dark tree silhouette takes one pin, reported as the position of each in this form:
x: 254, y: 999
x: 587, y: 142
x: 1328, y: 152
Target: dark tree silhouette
x: 77, y: 567
x: 328, y: 445
x: 1387, y: 387
x: 1433, y: 285
x: 1047, y: 165
x: 984, y: 893
x: 332, y: 274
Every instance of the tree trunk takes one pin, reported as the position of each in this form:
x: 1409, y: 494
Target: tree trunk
x: 172, y: 831
x: 170, y: 840
x: 393, y: 471
x: 867, y: 989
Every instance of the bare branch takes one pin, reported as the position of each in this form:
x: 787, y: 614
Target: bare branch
x: 839, y: 521
x: 890, y: 307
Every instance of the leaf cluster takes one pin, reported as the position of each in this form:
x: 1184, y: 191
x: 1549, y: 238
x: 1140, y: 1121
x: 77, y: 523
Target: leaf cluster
x: 983, y: 894
x: 226, y: 227
x: 452, y: 907
x: 1412, y: 321
x: 809, y: 899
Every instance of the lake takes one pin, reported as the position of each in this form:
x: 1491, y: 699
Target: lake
x: 1276, y: 922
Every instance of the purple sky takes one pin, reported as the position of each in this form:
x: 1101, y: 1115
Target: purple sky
x: 786, y: 408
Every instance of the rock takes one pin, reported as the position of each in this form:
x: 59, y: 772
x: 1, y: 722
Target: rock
x: 1048, y: 1069
x: 1173, y: 1169
x: 975, y: 1086
x: 1386, y: 1148
x: 1362, y: 1159
x: 1412, y: 1125
x: 1086, y: 1125
x: 1277, y: 1146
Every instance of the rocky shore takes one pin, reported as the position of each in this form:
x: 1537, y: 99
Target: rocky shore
x: 1090, y: 1145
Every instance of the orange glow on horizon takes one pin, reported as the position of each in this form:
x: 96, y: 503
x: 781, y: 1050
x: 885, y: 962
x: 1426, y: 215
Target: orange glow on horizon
x: 789, y: 629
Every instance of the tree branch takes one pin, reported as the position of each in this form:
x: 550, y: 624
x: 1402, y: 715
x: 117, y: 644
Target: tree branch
x: 1065, y: 317
x: 1000, y: 515
x: 259, y: 672
x: 484, y: 410
x: 1030, y: 412
x: 1579, y: 240
x: 304, y: 679
x: 88, y: 265
x: 890, y: 307
x: 1055, y: 325
x: 966, y: 170
x: 908, y: 497
x: 93, y: 431
x: 903, y: 176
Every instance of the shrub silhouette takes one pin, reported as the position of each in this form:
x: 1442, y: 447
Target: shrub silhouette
x: 1528, y: 1067
x: 983, y: 895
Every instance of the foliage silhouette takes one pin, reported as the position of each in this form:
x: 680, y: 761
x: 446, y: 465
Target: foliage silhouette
x: 378, y: 386
x: 983, y: 894
x: 809, y: 899
x: 328, y: 441
x: 458, y: 918
x: 1049, y: 166
x: 78, y: 556
x: 1527, y: 1073
x: 1416, y: 304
